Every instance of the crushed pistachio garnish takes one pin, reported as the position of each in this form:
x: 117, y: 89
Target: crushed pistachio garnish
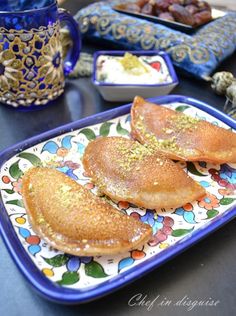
x: 65, y: 188
x: 183, y: 122
x: 154, y: 144
x: 101, y: 184
x: 132, y: 64
x: 129, y: 156
x: 169, y: 144
x: 41, y: 220
x: 30, y: 188
x: 167, y: 130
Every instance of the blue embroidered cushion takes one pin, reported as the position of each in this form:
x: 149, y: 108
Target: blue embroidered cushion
x: 198, y: 54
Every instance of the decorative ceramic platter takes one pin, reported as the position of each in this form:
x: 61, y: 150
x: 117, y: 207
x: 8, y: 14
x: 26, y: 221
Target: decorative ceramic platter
x: 70, y: 279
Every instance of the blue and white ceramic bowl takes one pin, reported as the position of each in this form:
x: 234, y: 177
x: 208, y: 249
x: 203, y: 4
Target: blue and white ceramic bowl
x: 121, y: 89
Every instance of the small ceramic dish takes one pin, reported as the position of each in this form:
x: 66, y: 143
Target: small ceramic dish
x: 116, y: 84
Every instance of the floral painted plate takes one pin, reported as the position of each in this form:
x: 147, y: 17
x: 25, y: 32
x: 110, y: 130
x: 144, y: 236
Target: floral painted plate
x: 69, y: 279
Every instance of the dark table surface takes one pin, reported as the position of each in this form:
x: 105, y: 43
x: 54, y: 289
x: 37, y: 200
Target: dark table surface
x: 205, y: 271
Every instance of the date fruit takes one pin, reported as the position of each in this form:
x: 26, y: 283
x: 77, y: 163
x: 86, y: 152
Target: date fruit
x: 132, y: 7
x: 166, y: 16
x: 202, y: 17
x: 191, y: 8
x: 181, y: 14
x: 147, y: 9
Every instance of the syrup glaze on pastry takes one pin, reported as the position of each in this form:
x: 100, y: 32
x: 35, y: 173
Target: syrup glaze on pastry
x: 72, y: 219
x: 179, y: 136
x: 125, y: 170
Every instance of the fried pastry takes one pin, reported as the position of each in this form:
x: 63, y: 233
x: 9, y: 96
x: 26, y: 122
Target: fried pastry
x: 179, y: 136
x: 72, y: 219
x: 125, y: 170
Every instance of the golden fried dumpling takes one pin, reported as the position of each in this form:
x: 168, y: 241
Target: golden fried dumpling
x: 179, y: 136
x: 125, y: 170
x: 72, y: 219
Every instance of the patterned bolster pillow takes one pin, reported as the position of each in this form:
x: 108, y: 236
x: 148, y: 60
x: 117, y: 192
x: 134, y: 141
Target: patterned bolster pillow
x: 198, y: 54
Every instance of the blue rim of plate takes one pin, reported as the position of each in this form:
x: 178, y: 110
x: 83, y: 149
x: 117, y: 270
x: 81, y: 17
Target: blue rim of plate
x: 56, y: 293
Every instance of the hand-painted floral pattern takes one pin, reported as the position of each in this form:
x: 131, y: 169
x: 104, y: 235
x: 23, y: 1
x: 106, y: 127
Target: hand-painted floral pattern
x: 32, y: 241
x: 161, y: 225
x: 209, y: 202
x: 60, y: 150
x: 225, y: 177
x: 226, y: 192
x: 17, y: 185
x: 68, y: 168
x: 169, y: 226
x: 187, y: 212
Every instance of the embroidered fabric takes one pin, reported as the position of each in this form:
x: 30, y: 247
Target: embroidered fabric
x: 198, y: 54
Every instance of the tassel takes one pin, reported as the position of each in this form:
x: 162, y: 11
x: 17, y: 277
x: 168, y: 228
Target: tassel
x: 224, y: 83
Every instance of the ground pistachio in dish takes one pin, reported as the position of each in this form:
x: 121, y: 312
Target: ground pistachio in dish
x: 131, y: 69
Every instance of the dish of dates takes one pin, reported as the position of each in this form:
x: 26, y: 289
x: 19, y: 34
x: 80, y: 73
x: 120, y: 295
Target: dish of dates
x: 182, y: 13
